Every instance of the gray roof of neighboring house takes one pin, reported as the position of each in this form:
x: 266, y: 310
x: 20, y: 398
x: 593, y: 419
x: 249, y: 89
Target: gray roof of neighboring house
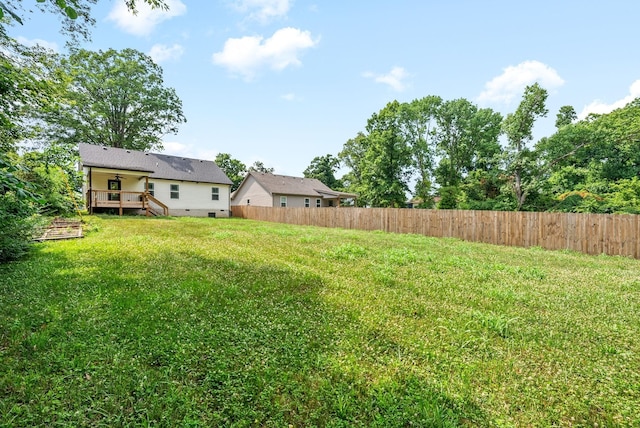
x: 158, y: 165
x: 287, y: 185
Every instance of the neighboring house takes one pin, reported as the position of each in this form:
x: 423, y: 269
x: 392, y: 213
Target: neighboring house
x: 270, y: 190
x: 153, y: 184
x: 416, y: 202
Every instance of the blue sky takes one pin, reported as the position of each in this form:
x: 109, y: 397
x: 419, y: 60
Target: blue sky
x: 283, y: 81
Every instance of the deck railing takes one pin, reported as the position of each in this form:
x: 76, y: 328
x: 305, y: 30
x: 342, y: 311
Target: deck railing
x: 125, y: 199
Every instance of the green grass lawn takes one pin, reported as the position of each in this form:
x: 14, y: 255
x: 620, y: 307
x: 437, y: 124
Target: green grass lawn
x: 209, y: 322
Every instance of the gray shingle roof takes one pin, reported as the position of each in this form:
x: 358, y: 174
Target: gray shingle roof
x: 287, y: 185
x: 158, y: 165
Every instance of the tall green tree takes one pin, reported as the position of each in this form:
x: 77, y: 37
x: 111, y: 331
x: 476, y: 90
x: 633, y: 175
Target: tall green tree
x: 323, y: 168
x: 518, y: 128
x: 352, y: 156
x: 233, y: 168
x: 467, y: 140
x: 385, y: 167
x: 113, y: 98
x: 15, y: 84
x: 22, y: 86
x: 418, y: 122
x: 26, y: 86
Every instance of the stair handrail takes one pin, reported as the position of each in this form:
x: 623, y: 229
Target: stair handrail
x: 150, y: 198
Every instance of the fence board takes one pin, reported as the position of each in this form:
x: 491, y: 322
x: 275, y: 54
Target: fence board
x: 588, y: 233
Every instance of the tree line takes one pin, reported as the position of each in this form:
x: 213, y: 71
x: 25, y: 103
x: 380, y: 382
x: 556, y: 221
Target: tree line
x: 455, y: 155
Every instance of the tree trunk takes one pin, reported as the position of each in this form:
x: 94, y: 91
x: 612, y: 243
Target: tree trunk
x: 520, y: 194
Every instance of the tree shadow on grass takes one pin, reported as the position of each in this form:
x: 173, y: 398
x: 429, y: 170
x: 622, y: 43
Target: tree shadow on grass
x: 178, y: 338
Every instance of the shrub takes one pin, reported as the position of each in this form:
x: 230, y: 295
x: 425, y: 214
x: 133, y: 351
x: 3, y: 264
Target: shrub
x: 18, y: 218
x: 18, y: 212
x: 50, y: 182
x: 449, y: 198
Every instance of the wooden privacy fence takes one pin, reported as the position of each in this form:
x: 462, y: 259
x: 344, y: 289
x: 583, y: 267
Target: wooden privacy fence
x: 613, y: 234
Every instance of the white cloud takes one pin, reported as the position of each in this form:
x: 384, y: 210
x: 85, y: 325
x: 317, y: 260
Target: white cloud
x: 599, y: 107
x: 288, y: 97
x: 161, y: 53
x: 263, y: 10
x: 511, y: 83
x: 395, y: 78
x: 42, y: 43
x: 247, y: 55
x: 145, y: 20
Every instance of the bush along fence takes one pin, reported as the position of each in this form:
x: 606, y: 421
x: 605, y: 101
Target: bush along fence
x: 612, y: 234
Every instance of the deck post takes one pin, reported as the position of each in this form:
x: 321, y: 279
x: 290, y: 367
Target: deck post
x: 146, y: 192
x: 90, y: 191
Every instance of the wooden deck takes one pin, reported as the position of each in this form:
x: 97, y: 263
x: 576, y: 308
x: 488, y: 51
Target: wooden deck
x: 124, y: 199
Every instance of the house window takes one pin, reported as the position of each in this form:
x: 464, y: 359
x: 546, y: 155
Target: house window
x: 307, y: 202
x: 318, y: 203
x: 248, y: 201
x: 215, y: 193
x: 283, y: 201
x: 151, y: 189
x: 175, y: 191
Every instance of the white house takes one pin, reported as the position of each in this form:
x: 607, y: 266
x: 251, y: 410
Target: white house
x: 271, y: 190
x: 153, y: 184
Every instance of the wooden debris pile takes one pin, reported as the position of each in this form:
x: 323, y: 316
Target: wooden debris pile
x: 62, y: 228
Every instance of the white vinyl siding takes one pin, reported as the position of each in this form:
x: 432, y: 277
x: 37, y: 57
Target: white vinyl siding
x: 251, y: 193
